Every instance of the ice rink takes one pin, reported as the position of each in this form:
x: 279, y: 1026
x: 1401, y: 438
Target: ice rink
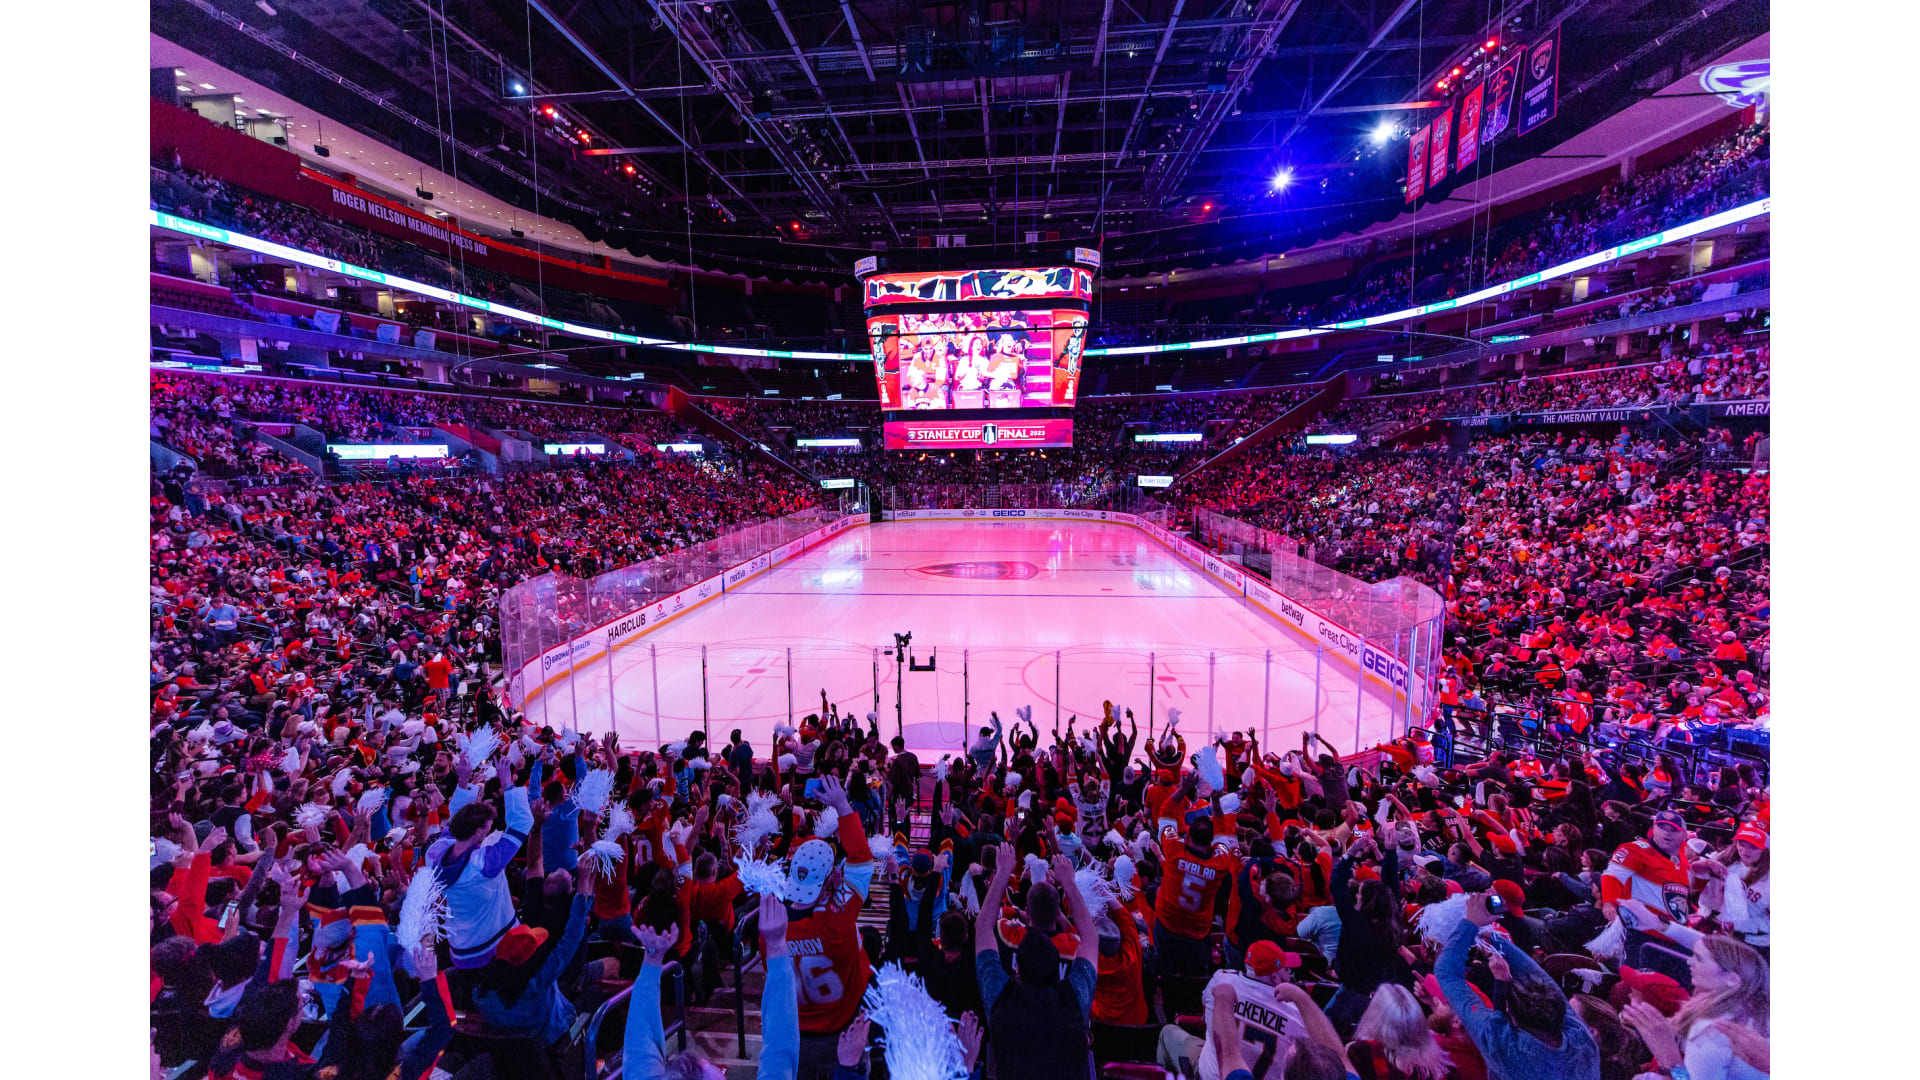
x: 1058, y: 615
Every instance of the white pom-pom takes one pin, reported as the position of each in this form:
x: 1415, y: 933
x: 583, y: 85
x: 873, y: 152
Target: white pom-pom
x: 827, y: 825
x: 759, y: 823
x: 396, y: 834
x: 1025, y: 713
x: 1248, y: 776
x: 423, y: 913
x: 1611, y: 944
x: 676, y: 748
x: 360, y: 853
x: 1013, y: 782
x: 291, y: 764
x: 918, y: 1037
x: 567, y: 740
x: 164, y: 852
x: 1114, y: 840
x: 1426, y: 775
x: 680, y: 832
x: 699, y: 764
x: 603, y: 856
x: 873, y: 718
x: 204, y: 733
x: 1230, y: 803
x: 1026, y: 800
x: 619, y: 821
x: 1437, y: 922
x: 1099, y: 893
x: 940, y: 768
x: 785, y: 762
x: 371, y: 800
x: 340, y: 781
x: 481, y: 743
x: 413, y: 728
x: 880, y: 844
x: 1123, y: 876
x: 594, y: 791
x: 763, y: 877
x: 1036, y: 868
x: 1173, y: 718
x: 1207, y: 764
x: 311, y: 816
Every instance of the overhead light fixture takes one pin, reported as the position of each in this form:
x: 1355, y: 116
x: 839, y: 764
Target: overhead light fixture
x: 519, y: 89
x: 206, y: 86
x: 264, y: 6
x: 184, y: 89
x: 1383, y: 131
x: 1282, y: 178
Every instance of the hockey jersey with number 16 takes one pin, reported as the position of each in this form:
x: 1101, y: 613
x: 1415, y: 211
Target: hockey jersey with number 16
x: 830, y: 965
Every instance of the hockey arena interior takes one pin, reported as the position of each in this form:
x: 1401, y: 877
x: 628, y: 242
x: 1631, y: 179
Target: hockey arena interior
x: 827, y: 539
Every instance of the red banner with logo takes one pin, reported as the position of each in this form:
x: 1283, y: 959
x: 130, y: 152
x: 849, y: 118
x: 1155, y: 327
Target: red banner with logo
x: 1437, y: 147
x: 1417, y: 163
x: 1469, y: 151
x: 976, y: 434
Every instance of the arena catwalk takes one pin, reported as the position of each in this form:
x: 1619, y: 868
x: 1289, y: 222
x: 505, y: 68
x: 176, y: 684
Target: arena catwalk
x: 1059, y: 616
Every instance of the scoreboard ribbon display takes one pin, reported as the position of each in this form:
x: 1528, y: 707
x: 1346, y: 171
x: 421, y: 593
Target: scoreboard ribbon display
x: 976, y: 434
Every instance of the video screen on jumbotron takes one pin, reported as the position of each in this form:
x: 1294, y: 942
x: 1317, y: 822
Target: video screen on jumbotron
x: 978, y: 359
x: 999, y: 349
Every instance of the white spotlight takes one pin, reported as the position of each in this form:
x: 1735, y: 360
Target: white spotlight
x: 1282, y: 178
x: 1383, y: 131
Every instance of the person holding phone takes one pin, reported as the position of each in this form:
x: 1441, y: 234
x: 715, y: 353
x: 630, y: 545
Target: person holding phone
x: 1534, y: 1035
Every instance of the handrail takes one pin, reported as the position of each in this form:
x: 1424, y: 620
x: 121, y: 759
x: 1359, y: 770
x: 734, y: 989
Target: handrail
x: 746, y: 928
x: 592, y: 1039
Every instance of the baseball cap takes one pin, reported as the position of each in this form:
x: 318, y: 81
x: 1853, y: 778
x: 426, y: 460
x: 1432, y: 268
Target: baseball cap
x: 520, y: 943
x: 811, y: 865
x: 922, y: 863
x: 1662, y: 992
x: 1514, y: 896
x: 1265, y: 957
x: 1670, y: 817
x: 1753, y: 834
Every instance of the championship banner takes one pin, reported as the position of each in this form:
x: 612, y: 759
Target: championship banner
x: 1540, y: 102
x: 1497, y: 112
x: 1469, y: 150
x: 1437, y: 147
x: 975, y: 434
x: 1417, y: 163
